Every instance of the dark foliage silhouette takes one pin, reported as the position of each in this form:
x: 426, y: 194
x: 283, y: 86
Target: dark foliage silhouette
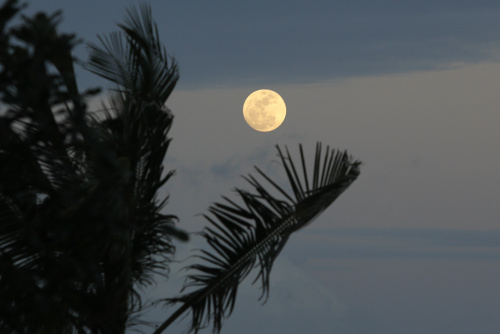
x: 82, y: 224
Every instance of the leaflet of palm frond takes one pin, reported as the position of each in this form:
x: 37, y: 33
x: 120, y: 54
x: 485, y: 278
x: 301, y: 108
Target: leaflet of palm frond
x: 252, y: 234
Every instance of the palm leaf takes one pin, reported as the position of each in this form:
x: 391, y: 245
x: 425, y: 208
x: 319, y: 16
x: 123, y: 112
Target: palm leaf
x: 136, y: 124
x: 252, y: 234
x: 135, y: 60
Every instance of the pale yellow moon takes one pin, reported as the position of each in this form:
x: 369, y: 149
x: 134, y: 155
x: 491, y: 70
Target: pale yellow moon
x: 264, y: 110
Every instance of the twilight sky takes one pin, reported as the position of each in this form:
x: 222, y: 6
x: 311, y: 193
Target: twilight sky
x: 410, y: 88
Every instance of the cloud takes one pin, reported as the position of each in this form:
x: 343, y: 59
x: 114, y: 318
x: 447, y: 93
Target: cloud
x: 244, y: 43
x: 318, y: 247
x: 299, y: 42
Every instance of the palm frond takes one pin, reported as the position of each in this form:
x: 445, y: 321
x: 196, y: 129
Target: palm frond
x: 136, y: 125
x: 135, y: 60
x: 252, y: 234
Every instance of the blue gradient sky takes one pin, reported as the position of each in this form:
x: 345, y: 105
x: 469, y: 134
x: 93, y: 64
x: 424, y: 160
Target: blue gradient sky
x: 409, y: 88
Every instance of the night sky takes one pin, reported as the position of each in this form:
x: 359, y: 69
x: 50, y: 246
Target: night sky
x: 412, y: 89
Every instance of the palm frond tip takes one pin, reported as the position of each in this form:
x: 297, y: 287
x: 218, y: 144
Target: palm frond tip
x: 252, y: 234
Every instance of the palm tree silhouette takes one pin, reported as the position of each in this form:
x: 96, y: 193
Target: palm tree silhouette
x: 82, y: 226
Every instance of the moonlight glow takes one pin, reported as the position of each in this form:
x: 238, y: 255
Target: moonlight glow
x: 264, y: 110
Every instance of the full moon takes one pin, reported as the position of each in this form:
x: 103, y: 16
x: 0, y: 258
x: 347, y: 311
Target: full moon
x: 264, y: 110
